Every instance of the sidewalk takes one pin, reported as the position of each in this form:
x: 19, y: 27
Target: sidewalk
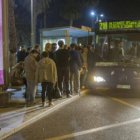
x: 13, y: 98
x: 17, y: 116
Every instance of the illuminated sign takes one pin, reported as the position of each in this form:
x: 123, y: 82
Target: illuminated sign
x: 119, y: 25
x: 1, y: 47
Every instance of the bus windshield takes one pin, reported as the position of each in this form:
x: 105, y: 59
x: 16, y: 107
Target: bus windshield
x: 117, y: 50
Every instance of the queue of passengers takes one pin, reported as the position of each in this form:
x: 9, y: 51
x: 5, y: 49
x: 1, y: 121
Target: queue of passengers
x: 65, y: 68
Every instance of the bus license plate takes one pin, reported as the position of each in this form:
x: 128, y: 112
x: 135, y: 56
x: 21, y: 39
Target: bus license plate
x: 124, y: 86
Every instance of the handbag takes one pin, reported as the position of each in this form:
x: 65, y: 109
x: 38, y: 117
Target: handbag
x: 56, y: 93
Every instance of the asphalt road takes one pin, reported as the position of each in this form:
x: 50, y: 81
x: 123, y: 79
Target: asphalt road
x: 100, y: 115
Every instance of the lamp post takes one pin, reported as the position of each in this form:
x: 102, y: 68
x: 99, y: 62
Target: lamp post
x: 32, y: 24
x: 4, y: 41
x: 95, y: 23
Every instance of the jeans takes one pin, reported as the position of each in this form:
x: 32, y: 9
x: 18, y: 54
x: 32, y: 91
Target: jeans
x: 31, y: 91
x: 75, y: 81
x: 47, y: 89
x: 63, y: 79
x: 83, y: 78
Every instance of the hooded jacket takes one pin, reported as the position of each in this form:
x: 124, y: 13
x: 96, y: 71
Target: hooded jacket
x: 30, y: 66
x: 46, y: 71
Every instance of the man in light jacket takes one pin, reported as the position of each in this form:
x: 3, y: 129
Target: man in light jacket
x: 30, y: 65
x: 47, y: 76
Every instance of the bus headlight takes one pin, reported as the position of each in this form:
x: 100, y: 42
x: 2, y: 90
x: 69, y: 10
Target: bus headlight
x: 98, y: 79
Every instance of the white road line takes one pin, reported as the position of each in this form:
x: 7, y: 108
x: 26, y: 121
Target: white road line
x: 72, y: 135
x: 41, y: 115
x: 126, y: 103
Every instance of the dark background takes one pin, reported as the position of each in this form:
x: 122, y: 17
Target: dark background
x: 112, y: 9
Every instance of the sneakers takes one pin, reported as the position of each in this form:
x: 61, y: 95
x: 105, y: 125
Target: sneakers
x: 51, y: 104
x: 29, y: 104
x: 79, y: 93
x: 69, y: 96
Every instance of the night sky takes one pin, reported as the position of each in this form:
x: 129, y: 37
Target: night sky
x: 112, y: 9
x: 120, y: 9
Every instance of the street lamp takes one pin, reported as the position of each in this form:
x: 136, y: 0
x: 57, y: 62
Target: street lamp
x: 92, y: 13
x: 32, y: 24
x: 101, y: 15
x: 98, y: 18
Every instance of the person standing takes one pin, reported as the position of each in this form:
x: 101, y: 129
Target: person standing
x: 37, y: 48
x: 85, y: 56
x: 84, y: 69
x: 48, y: 47
x: 52, y: 53
x: 91, y: 59
x: 62, y: 63
x: 47, y: 76
x: 21, y: 54
x: 75, y: 66
x: 30, y: 65
x: 28, y: 51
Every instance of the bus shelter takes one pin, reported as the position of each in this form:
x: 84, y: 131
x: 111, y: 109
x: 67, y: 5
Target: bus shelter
x: 67, y: 34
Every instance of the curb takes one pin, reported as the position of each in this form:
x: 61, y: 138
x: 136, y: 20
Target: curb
x: 45, y: 113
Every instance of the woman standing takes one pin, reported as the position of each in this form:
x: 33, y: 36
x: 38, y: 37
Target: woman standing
x: 47, y: 76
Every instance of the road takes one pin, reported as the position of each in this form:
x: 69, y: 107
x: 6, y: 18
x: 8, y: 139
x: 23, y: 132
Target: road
x: 97, y: 115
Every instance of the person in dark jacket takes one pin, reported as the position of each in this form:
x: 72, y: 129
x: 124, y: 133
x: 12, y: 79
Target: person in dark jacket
x: 52, y: 53
x: 21, y: 54
x: 28, y: 51
x: 62, y: 64
x: 75, y: 66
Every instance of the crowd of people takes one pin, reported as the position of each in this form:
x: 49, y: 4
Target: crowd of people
x: 65, y: 68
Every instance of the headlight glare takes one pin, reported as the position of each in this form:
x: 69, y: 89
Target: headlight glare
x: 98, y: 79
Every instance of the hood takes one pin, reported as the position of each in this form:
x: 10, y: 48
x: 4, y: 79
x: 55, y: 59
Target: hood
x: 45, y: 62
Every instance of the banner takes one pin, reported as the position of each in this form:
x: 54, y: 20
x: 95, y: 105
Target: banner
x: 1, y: 47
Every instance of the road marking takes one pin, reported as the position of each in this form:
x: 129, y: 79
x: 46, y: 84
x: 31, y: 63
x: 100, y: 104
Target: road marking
x: 41, y: 115
x: 125, y: 103
x: 72, y: 135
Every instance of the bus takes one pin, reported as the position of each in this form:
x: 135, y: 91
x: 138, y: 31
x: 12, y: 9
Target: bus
x: 117, y: 55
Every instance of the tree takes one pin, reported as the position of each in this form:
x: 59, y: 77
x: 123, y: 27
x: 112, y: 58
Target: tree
x: 23, y: 16
x: 71, y: 9
x: 12, y: 27
x: 12, y: 34
x: 89, y: 3
x: 41, y: 7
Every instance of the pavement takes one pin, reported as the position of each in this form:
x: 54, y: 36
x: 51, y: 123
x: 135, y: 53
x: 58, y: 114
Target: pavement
x: 14, y: 115
x: 98, y: 115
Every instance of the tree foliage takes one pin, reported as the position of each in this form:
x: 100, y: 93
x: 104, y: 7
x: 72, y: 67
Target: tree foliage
x: 71, y: 9
x: 23, y: 18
